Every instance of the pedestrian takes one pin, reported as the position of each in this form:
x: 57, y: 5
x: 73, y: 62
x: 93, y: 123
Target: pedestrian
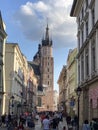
x: 86, y: 125
x: 10, y: 126
x: 54, y: 124
x: 46, y: 123
x: 20, y: 127
x: 62, y: 124
x: 94, y: 124
x: 64, y: 128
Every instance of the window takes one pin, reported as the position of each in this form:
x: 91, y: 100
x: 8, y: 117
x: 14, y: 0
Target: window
x: 91, y: 108
x: 0, y: 80
x: 82, y: 67
x: 48, y: 69
x: 86, y: 28
x: 39, y: 101
x: 93, y: 55
x: 87, y: 62
x: 82, y: 13
x: 79, y: 21
x: 86, y: 1
x: 79, y: 71
x: 93, y: 16
x: 1, y: 46
x: 79, y: 41
x: 82, y: 36
x: 48, y: 82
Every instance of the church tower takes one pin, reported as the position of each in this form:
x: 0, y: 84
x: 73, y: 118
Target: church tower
x: 45, y: 61
x: 47, y: 71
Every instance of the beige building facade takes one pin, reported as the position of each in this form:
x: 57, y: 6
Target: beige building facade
x: 67, y: 84
x: 86, y: 13
x: 16, y: 70
x: 3, y: 36
x: 62, y: 82
x: 31, y: 90
x: 71, y: 98
x: 56, y: 100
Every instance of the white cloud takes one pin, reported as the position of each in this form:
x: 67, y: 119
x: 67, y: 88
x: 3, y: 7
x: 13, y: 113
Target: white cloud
x: 31, y: 17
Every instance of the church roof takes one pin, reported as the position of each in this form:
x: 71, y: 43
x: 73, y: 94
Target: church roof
x: 35, y: 68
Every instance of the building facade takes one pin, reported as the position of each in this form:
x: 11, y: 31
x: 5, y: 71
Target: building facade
x: 67, y: 84
x: 31, y: 90
x: 16, y: 72
x: 3, y: 36
x: 56, y: 100
x: 62, y: 82
x: 86, y: 13
x: 71, y: 98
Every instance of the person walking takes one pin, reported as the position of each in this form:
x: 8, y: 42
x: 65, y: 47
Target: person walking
x: 86, y: 125
x: 62, y: 124
x: 46, y: 123
x: 54, y: 124
x: 20, y: 127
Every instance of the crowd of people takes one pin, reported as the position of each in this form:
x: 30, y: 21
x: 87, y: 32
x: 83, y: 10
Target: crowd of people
x: 48, y: 121
x: 13, y: 122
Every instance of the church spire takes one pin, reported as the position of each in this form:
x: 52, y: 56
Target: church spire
x: 47, y: 33
x: 46, y: 41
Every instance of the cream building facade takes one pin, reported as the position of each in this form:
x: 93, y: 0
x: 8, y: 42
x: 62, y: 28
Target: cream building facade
x: 71, y: 99
x: 3, y: 36
x: 32, y: 89
x: 56, y: 100
x: 67, y: 84
x: 16, y: 70
x: 62, y: 82
x: 86, y: 13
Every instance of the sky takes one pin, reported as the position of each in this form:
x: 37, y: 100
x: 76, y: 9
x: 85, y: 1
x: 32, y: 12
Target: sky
x: 26, y: 21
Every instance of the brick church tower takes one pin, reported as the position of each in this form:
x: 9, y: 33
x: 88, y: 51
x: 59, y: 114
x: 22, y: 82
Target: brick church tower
x: 44, y: 59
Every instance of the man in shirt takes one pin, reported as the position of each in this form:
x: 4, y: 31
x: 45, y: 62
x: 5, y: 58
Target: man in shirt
x: 46, y: 123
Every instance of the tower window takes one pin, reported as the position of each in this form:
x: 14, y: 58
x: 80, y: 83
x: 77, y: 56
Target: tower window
x: 48, y: 82
x: 48, y: 69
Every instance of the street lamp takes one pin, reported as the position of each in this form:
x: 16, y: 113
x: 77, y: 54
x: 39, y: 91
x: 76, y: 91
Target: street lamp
x: 78, y: 92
